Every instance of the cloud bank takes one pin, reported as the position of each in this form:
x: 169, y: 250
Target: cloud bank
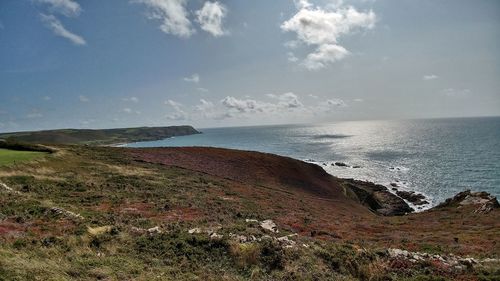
x: 287, y: 106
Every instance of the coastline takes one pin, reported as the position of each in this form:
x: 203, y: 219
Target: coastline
x: 136, y: 206
x: 423, y: 203
x: 373, y: 184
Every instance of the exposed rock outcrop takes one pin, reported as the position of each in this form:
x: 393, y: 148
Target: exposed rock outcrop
x: 483, y: 201
x: 411, y: 196
x: 378, y: 198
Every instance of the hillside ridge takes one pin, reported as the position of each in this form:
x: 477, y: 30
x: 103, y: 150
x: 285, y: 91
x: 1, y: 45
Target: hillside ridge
x: 99, y: 136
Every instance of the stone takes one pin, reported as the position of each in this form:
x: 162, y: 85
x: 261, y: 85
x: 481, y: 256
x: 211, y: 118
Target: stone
x: 269, y: 225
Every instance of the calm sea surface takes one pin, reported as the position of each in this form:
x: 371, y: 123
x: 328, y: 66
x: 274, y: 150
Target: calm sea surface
x: 438, y: 157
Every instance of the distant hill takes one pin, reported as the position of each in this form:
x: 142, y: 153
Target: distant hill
x: 99, y: 137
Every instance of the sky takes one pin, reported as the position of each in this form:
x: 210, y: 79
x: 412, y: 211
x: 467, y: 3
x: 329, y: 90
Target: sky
x: 124, y: 63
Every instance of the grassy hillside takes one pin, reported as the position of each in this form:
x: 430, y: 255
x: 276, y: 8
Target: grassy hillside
x: 99, y: 137
x: 10, y: 157
x: 106, y: 213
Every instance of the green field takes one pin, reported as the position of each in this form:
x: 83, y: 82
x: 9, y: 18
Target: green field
x: 9, y: 157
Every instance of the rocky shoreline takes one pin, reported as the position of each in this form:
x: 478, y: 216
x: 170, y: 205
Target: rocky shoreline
x: 377, y: 198
x: 411, y: 200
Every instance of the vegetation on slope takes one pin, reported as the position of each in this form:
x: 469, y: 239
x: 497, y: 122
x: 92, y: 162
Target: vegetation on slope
x: 99, y: 137
x: 10, y: 157
x: 88, y: 213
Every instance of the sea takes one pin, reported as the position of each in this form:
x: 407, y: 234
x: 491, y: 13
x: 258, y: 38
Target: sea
x: 435, y: 157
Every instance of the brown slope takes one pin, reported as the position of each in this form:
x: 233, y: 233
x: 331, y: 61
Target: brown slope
x: 304, y: 198
x: 277, y: 172
x: 250, y: 167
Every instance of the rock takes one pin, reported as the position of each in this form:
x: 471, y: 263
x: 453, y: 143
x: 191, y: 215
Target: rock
x: 356, y: 167
x: 483, y: 201
x: 216, y: 236
x: 8, y: 188
x: 415, y: 198
x: 378, y: 198
x: 450, y: 262
x: 422, y: 202
x: 207, y: 230
x: 195, y: 230
x: 251, y: 220
x: 242, y: 238
x: 393, y: 184
x: 65, y: 213
x: 269, y: 225
x: 286, y: 242
x: 154, y: 230
x: 137, y: 230
x: 340, y: 164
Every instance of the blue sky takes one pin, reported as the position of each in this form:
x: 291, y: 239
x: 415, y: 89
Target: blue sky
x: 116, y: 63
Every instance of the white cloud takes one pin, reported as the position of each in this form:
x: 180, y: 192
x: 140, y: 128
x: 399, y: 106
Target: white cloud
x: 336, y: 103
x: 456, y: 93
x: 358, y: 100
x: 208, y: 110
x: 324, y: 55
x: 83, y: 99
x: 283, y: 103
x: 58, y: 29
x: 210, y: 18
x: 321, y: 28
x: 195, y: 78
x: 287, y: 100
x: 430, y: 77
x: 46, y: 98
x: 204, y: 105
x: 244, y: 105
x: 312, y: 96
x: 68, y: 8
x: 204, y: 90
x: 172, y: 14
x: 173, y: 103
x: 179, y: 113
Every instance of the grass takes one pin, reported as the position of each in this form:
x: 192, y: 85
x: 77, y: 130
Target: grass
x: 10, y: 157
x: 120, y: 199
